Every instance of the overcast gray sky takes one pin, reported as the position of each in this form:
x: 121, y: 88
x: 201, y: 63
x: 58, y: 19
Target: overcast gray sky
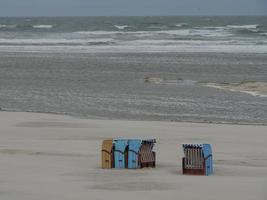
x: 131, y: 7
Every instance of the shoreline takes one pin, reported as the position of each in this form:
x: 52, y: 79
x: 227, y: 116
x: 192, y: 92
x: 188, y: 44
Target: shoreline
x: 134, y: 120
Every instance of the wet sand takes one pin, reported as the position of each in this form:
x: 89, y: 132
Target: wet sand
x: 57, y: 157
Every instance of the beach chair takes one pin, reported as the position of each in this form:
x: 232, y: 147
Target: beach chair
x: 147, y: 155
x: 120, y: 153
x: 107, y: 154
x: 134, y: 146
x: 197, y: 159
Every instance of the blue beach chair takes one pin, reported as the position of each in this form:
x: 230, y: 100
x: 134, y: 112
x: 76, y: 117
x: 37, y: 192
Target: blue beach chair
x: 208, y: 159
x: 120, y: 153
x: 133, y: 153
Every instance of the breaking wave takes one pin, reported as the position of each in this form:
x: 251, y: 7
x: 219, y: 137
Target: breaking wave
x: 180, y: 32
x: 121, y: 27
x: 252, y: 26
x: 43, y: 26
x: 55, y: 41
x: 8, y: 26
x: 246, y: 29
x: 181, y: 25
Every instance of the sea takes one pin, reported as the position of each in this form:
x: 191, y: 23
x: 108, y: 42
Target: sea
x: 182, y: 69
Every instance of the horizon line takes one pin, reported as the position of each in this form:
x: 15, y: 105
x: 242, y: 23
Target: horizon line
x: 35, y: 16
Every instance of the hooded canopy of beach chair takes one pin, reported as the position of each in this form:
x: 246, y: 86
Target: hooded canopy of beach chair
x: 119, y: 153
x: 107, y: 154
x: 133, y: 153
x: 208, y: 159
x: 147, y: 156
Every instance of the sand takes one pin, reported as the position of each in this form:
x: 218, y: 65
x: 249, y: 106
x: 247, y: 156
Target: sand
x: 54, y: 157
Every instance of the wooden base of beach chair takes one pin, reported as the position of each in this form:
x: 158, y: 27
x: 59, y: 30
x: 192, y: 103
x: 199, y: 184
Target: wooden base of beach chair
x: 148, y: 165
x: 194, y: 171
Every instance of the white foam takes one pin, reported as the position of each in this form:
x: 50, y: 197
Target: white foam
x: 181, y: 24
x: 157, y: 27
x: 173, y: 42
x: 45, y: 26
x: 180, y: 32
x: 211, y: 27
x: 97, y: 32
x: 210, y: 33
x: 257, y: 94
x: 121, y: 27
x: 252, y: 26
x: 237, y: 88
x: 8, y: 26
x: 185, y: 43
x: 50, y: 41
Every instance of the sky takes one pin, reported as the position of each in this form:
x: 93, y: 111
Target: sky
x: 131, y: 7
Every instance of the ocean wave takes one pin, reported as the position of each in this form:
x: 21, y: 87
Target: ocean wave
x: 212, y: 27
x: 251, y: 26
x: 197, y: 32
x: 205, y: 33
x: 210, y: 33
x: 143, y: 40
x: 55, y: 41
x: 43, y: 26
x: 249, y: 87
x: 8, y: 26
x: 181, y: 24
x: 121, y: 27
x: 158, y: 27
x: 192, y: 43
x: 237, y: 29
x: 97, y: 32
x: 246, y: 29
x: 182, y: 32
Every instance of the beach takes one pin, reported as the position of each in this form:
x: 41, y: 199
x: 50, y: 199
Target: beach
x: 45, y: 156
x: 174, y: 79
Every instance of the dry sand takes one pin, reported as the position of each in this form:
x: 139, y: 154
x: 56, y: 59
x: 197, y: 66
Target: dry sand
x: 53, y: 157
